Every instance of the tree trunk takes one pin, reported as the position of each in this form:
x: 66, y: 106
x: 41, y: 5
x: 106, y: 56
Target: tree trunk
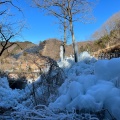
x: 72, y: 31
x: 73, y: 41
x: 1, y: 52
x: 65, y: 41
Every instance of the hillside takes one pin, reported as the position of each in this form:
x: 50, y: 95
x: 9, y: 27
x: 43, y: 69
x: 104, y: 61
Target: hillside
x: 17, y: 48
x: 23, y: 59
x: 51, y: 48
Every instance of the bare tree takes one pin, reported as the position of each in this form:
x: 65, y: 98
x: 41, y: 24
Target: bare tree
x: 70, y: 10
x: 109, y: 33
x: 113, y: 23
x: 7, y: 33
x: 63, y: 27
x: 8, y: 29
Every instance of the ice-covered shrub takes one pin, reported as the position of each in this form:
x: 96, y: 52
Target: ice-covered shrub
x: 86, y: 57
x: 8, y: 97
x: 52, y: 79
x: 42, y: 112
x: 45, y: 89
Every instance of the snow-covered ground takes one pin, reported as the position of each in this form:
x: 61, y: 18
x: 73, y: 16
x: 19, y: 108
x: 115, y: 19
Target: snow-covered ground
x: 90, y: 85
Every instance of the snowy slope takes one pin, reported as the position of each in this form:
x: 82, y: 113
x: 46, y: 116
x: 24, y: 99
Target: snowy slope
x: 90, y: 84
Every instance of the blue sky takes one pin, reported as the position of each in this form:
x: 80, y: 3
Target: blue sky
x: 42, y: 27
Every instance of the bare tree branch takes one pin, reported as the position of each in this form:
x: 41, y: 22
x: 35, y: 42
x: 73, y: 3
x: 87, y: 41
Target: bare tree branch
x: 8, y: 29
x: 10, y: 2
